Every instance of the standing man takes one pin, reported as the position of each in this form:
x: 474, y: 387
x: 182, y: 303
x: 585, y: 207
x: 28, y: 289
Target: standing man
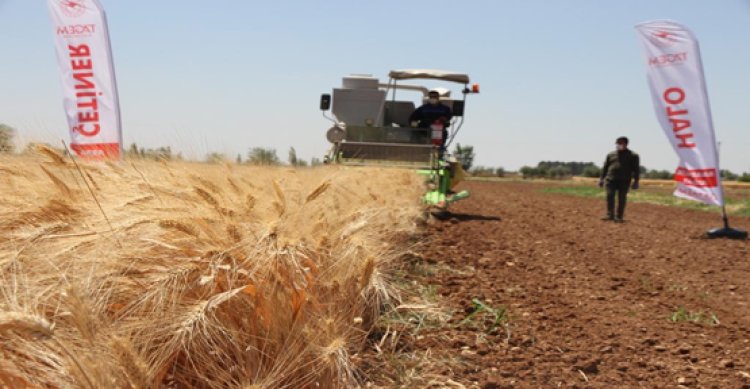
x: 620, y: 167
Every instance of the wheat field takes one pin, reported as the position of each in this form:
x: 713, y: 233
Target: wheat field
x: 143, y: 274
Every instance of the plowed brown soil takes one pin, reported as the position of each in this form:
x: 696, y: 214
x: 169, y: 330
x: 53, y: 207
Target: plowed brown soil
x: 648, y: 303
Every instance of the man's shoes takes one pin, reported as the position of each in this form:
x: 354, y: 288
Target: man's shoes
x: 619, y: 220
x: 608, y: 218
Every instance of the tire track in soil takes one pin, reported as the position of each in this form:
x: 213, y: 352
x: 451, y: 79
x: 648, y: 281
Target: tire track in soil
x: 589, y: 301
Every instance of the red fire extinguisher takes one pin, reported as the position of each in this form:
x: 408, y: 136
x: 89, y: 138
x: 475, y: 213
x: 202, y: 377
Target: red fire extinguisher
x: 437, y: 128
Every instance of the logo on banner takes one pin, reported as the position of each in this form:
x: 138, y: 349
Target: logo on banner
x: 72, y: 8
x: 699, y: 178
x: 668, y: 59
x: 664, y: 38
x: 76, y: 30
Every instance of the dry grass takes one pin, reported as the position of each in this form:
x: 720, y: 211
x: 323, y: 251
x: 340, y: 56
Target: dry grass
x: 228, y: 276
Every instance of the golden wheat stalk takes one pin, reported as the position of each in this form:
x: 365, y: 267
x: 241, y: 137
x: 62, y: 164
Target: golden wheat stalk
x: 62, y: 186
x: 234, y: 186
x: 234, y: 232
x: 369, y: 269
x: 25, y: 324
x: 98, y: 204
x: 207, y: 184
x: 147, y: 183
x: 207, y: 197
x: 134, y: 366
x: 250, y: 202
x: 52, y: 154
x: 280, y: 203
x: 88, y: 175
x: 120, y: 172
x: 81, y: 312
x: 169, y: 224
x: 318, y: 191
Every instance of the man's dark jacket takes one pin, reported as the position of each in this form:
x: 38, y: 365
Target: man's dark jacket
x: 427, y: 114
x: 622, y: 166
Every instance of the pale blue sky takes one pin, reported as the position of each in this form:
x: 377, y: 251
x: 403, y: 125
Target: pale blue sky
x: 560, y: 79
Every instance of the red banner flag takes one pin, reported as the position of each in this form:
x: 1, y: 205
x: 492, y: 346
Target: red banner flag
x: 88, y: 78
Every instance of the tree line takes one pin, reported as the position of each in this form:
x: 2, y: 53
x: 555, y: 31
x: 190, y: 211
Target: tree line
x: 557, y: 170
x: 255, y: 156
x: 464, y: 154
x: 260, y: 156
x: 561, y: 170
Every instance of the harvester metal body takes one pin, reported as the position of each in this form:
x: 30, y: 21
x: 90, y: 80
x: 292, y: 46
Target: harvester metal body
x: 372, y: 128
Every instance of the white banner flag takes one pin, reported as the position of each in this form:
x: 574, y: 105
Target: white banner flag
x: 675, y: 74
x: 88, y: 77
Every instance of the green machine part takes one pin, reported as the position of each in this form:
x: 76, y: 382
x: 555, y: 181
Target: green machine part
x: 439, y: 194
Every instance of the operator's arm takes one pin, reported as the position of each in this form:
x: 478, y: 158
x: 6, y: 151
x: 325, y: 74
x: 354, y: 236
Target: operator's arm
x: 636, y: 171
x: 416, y: 116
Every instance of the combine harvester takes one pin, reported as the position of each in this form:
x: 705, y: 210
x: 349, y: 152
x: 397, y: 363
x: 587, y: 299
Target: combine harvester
x: 372, y: 128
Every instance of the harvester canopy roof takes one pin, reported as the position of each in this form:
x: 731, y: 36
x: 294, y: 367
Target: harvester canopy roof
x: 445, y: 75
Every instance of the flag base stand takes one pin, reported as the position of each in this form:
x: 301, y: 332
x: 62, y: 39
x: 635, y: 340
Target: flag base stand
x: 729, y: 233
x: 726, y: 231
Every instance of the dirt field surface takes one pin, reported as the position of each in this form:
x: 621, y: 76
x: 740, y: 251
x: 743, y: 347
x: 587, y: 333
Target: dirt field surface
x: 541, y: 293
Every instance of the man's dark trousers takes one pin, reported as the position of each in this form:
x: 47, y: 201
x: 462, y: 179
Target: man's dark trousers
x: 620, y: 188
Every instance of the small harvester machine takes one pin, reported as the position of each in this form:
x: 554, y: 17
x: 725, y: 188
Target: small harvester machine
x: 372, y: 127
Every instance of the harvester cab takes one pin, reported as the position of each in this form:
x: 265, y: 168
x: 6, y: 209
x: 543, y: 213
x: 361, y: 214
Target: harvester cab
x: 374, y: 127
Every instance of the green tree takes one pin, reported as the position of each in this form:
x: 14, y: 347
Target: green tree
x: 238, y: 159
x: 7, y: 133
x: 315, y: 161
x: 263, y: 156
x: 658, y: 175
x: 133, y: 151
x: 559, y: 172
x: 159, y: 153
x: 745, y: 177
x: 482, y: 171
x: 528, y: 172
x: 574, y: 168
x: 542, y: 171
x: 728, y: 175
x: 465, y: 155
x: 500, y: 172
x: 214, y: 157
x: 292, y: 159
x: 592, y: 171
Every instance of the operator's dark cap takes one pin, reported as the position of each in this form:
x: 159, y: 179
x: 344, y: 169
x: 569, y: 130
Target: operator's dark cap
x: 622, y: 139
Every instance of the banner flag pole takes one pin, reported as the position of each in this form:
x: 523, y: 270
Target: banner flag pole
x: 678, y: 89
x: 726, y: 232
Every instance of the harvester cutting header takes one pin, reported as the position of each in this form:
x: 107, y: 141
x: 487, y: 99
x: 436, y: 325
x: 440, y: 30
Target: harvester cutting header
x: 372, y: 126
